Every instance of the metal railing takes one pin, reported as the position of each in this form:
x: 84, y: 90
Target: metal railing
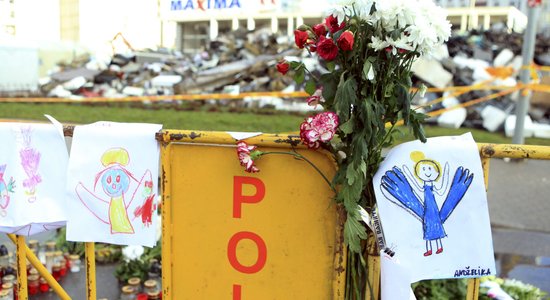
x: 23, y: 253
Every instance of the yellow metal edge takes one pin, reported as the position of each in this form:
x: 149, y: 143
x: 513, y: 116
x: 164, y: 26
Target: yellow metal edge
x: 166, y: 213
x: 91, y: 290
x: 473, y: 289
x: 21, y: 268
x: 281, y: 140
x: 514, y: 151
x: 42, y: 270
x: 472, y: 292
x: 340, y: 259
x: 372, y: 290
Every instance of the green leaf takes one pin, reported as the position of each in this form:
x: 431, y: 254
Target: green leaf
x: 347, y: 127
x: 330, y: 84
x: 310, y: 86
x: 295, y: 65
x: 331, y: 66
x: 346, y: 95
x: 299, y: 76
x: 363, y: 167
x: 354, y: 231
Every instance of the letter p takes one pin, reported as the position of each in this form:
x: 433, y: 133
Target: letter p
x: 239, y: 198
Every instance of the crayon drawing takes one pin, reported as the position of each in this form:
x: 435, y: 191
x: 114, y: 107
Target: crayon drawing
x: 6, y: 188
x: 121, y: 196
x: 433, y: 209
x: 417, y: 193
x: 30, y: 160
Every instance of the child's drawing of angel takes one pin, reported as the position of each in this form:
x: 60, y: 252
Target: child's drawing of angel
x: 121, y: 193
x: 30, y: 160
x: 5, y: 190
x: 418, y: 193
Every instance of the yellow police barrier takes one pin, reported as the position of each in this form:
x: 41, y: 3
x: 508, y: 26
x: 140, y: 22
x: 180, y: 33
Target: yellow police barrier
x: 228, y: 234
x: 231, y: 235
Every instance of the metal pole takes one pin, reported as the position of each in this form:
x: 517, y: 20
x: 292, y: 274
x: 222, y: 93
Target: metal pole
x: 527, y: 54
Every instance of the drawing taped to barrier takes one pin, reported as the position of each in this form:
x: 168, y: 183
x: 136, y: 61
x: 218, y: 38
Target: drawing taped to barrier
x: 402, y: 188
x: 112, y: 183
x: 6, y: 189
x: 115, y: 193
x: 436, y: 191
x: 30, y: 161
x: 32, y: 178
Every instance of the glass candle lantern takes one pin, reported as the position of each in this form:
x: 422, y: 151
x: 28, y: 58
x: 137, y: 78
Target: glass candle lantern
x: 150, y: 286
x: 63, y: 265
x: 75, y: 263
x: 10, y: 278
x: 50, y: 246
x: 56, y: 271
x: 127, y: 293
x: 9, y: 288
x: 135, y: 283
x: 33, y: 284
x: 153, y: 296
x: 5, y: 295
x: 49, y: 261
x: 44, y: 286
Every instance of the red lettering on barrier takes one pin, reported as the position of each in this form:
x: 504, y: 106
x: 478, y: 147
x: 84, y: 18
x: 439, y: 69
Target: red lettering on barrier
x: 239, y: 198
x: 232, y: 252
x: 236, y: 292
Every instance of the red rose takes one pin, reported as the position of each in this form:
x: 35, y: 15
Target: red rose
x: 345, y: 41
x: 327, y: 49
x: 320, y: 29
x: 283, y: 67
x: 300, y: 37
x: 332, y: 24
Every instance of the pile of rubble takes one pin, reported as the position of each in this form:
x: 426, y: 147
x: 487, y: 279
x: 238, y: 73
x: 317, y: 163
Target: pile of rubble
x: 491, y: 58
x: 237, y: 61
x: 241, y: 61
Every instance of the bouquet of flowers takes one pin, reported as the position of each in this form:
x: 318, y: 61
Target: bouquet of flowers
x: 368, y: 47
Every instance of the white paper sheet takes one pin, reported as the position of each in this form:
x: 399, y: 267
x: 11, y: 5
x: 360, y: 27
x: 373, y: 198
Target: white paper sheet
x: 33, y: 165
x: 395, y: 279
x: 433, y: 207
x: 112, y: 183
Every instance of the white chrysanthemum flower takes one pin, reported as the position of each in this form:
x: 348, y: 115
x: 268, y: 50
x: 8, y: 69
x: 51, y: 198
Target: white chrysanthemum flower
x: 378, y: 44
x: 337, y: 12
x: 401, y: 43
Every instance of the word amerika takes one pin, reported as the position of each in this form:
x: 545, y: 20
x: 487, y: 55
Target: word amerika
x: 238, y: 200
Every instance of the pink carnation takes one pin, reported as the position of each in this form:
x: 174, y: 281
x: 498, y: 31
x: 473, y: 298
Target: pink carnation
x: 318, y: 129
x: 243, y: 152
x: 316, y: 98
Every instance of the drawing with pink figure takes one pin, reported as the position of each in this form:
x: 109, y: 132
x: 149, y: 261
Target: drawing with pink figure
x: 5, y: 190
x: 122, y: 196
x: 30, y: 160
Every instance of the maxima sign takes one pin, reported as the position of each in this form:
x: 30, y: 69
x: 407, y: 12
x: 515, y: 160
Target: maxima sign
x: 187, y: 10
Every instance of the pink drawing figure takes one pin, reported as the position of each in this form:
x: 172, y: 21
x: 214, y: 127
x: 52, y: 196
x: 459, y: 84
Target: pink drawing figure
x: 119, y: 189
x: 30, y: 160
x: 5, y: 190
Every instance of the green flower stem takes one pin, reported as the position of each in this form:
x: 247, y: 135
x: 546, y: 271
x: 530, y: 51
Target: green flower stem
x: 299, y: 156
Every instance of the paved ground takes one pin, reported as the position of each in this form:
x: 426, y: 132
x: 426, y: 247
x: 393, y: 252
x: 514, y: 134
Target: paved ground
x: 519, y: 207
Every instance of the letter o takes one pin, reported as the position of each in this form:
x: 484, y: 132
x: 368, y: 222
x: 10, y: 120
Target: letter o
x: 232, y: 252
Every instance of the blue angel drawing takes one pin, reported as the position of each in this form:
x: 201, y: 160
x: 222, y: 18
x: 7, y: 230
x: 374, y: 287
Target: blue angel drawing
x: 416, y: 193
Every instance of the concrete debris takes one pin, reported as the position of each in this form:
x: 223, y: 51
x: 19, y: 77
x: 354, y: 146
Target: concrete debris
x: 493, y: 118
x: 432, y: 72
x: 452, y: 118
x: 488, y: 58
x: 241, y: 61
x: 510, y: 125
